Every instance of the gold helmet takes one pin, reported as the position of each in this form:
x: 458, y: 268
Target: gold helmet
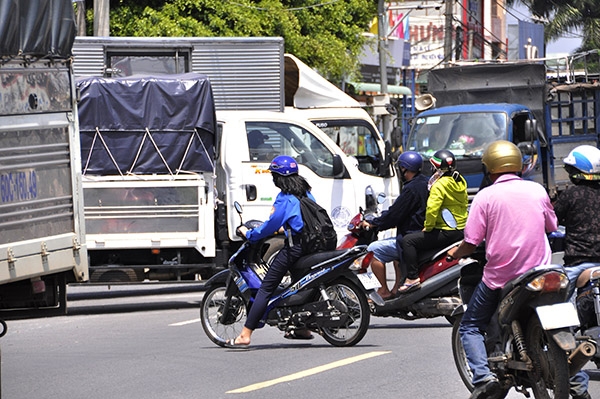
x: 501, y: 157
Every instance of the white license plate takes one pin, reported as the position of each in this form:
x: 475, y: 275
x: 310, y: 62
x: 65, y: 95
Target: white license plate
x: 369, y: 281
x: 558, y: 316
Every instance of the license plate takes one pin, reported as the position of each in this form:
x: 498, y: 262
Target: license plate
x: 369, y: 281
x: 560, y: 315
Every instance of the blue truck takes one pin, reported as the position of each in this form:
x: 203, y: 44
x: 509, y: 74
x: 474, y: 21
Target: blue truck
x: 468, y: 107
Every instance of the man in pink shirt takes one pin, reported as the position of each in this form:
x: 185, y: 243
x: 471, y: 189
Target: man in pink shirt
x: 512, y: 216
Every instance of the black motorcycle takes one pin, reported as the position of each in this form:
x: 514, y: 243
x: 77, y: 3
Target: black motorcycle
x: 533, y: 347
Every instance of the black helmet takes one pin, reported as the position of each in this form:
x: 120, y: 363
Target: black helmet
x: 443, y: 160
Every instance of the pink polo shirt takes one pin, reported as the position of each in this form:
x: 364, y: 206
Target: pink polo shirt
x: 512, y: 216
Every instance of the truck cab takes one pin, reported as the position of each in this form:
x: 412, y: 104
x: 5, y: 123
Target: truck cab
x: 467, y: 130
x: 338, y: 181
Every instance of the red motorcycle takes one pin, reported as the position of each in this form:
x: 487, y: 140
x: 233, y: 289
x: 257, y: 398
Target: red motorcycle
x: 438, y: 294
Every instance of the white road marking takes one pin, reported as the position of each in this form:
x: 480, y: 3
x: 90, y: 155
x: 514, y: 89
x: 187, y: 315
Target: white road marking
x: 183, y: 323
x: 306, y: 373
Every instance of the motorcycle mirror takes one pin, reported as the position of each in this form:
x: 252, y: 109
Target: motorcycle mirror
x: 449, y: 218
x: 238, y: 208
x: 381, y: 198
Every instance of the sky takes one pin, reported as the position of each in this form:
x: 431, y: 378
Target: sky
x: 562, y: 46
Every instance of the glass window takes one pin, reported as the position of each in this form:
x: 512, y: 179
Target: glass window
x: 356, y: 138
x: 465, y: 134
x: 266, y: 140
x: 129, y: 63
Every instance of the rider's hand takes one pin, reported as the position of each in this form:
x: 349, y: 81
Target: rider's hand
x: 241, y: 231
x: 365, y: 225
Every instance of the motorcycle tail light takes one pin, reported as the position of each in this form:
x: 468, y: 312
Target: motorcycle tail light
x: 362, y: 262
x: 549, y: 282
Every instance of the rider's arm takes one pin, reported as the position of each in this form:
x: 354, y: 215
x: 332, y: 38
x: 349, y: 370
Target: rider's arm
x: 464, y: 249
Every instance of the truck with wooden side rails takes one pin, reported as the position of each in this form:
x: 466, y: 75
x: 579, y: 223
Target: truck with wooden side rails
x: 546, y: 114
x: 42, y: 244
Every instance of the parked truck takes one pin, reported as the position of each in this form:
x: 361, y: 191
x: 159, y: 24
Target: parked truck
x: 42, y: 244
x: 468, y: 107
x: 253, y: 125
x: 162, y: 169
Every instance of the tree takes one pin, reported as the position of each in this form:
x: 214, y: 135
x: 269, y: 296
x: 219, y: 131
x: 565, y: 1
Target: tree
x: 326, y: 36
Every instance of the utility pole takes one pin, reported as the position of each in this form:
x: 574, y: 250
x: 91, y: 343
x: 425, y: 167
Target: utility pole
x: 382, y: 48
x: 101, y: 17
x: 448, y: 31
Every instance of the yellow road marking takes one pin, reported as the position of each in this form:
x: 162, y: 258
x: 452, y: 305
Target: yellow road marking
x: 306, y: 373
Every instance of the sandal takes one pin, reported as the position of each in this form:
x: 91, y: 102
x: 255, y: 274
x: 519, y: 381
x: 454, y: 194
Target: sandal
x: 232, y: 345
x: 409, y: 287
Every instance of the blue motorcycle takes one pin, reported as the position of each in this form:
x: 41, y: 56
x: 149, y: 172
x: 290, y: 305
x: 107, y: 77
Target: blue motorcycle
x: 324, y: 294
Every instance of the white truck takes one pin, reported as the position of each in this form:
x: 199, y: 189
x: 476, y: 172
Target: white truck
x: 42, y: 245
x: 247, y: 80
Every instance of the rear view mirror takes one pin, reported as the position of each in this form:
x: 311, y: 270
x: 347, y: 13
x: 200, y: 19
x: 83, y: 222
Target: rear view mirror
x: 449, y: 218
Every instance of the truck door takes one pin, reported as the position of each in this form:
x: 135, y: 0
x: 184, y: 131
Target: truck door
x: 330, y: 180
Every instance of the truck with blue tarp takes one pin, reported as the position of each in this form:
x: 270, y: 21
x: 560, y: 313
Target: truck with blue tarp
x: 42, y: 244
x: 468, y: 107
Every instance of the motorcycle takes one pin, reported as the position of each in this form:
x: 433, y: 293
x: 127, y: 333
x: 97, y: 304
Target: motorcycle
x: 588, y: 308
x: 438, y: 293
x: 324, y: 295
x: 530, y: 342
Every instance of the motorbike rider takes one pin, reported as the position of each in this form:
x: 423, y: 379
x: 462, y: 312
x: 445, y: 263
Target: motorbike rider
x: 512, y: 216
x: 285, y: 214
x: 577, y: 209
x: 447, y: 190
x: 407, y: 214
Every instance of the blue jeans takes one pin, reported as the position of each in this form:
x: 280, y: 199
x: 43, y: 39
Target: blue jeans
x: 472, y: 329
x: 384, y: 250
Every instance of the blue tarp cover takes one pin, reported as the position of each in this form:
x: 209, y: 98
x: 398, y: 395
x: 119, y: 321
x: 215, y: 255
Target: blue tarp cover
x: 146, y: 124
x: 39, y: 28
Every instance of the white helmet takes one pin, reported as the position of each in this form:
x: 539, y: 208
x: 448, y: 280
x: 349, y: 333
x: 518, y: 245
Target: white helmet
x: 583, y: 163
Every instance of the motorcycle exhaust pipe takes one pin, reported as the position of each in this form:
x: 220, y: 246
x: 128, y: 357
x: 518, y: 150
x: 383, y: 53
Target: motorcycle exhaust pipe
x: 580, y: 356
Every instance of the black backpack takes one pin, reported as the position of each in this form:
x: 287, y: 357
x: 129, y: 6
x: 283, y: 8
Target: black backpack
x: 318, y: 233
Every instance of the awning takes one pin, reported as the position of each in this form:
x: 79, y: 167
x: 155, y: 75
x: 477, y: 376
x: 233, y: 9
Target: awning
x: 376, y: 88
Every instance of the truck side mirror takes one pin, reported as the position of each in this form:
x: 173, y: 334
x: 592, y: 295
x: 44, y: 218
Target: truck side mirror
x: 339, y: 170
x: 384, y: 166
x: 530, y: 129
x: 527, y: 148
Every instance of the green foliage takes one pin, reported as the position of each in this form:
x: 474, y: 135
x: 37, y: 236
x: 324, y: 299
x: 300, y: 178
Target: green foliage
x: 327, y: 36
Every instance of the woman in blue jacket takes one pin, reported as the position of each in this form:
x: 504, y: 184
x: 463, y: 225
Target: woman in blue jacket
x: 284, y: 214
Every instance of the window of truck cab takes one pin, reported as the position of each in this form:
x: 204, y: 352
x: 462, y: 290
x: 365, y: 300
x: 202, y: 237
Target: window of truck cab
x: 132, y: 61
x: 281, y: 138
x: 356, y: 138
x: 465, y: 134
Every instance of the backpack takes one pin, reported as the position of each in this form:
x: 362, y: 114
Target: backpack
x: 318, y: 233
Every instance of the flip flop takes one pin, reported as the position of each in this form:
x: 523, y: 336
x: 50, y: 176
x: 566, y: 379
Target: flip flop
x: 292, y: 335
x: 406, y: 288
x: 232, y: 345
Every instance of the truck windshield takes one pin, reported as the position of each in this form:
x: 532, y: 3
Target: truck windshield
x: 356, y: 138
x: 465, y: 134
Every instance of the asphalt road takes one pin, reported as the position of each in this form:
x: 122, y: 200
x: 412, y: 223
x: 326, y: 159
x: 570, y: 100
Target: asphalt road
x: 152, y: 346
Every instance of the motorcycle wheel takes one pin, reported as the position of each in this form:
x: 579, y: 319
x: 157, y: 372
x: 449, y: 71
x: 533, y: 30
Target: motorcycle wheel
x: 358, y: 314
x: 211, y: 310
x: 460, y: 358
x: 550, y: 374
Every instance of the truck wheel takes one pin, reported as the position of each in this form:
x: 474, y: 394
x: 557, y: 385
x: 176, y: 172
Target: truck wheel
x: 114, y: 276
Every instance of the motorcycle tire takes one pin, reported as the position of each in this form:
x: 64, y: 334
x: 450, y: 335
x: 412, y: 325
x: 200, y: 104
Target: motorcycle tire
x: 212, y: 308
x: 460, y: 358
x: 550, y: 375
x: 358, y: 317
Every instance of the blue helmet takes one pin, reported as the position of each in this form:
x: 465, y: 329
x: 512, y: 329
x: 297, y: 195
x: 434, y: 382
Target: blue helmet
x: 410, y: 160
x: 284, y: 165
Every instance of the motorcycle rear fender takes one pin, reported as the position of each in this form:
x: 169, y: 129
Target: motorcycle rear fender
x: 564, y: 338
